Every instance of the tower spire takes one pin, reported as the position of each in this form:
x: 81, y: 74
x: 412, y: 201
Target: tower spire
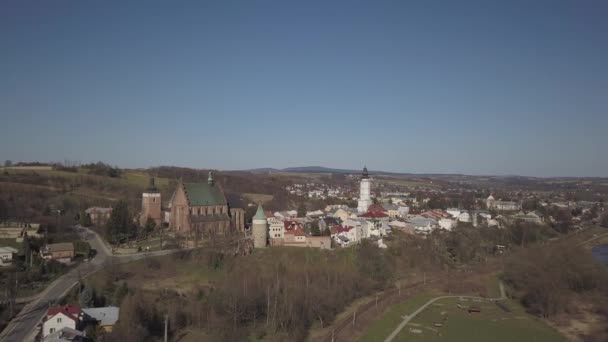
x: 210, y: 178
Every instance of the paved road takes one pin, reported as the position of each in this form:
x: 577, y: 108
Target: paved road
x: 22, y: 327
x: 408, y: 318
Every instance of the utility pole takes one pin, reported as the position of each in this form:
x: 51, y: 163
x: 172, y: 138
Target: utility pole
x: 166, y: 324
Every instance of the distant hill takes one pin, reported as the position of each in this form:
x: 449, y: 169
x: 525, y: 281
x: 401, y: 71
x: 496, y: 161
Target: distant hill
x: 322, y: 169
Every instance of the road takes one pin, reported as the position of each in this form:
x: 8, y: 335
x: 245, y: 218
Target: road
x: 23, y: 326
x: 408, y: 318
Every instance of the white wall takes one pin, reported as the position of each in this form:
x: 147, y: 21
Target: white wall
x: 56, y: 323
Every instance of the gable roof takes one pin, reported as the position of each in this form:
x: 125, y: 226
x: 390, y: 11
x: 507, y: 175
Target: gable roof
x: 8, y: 249
x: 204, y: 194
x: 60, y: 247
x: 72, y: 311
x: 105, y: 316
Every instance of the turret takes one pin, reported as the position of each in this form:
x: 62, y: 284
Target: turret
x: 260, y: 228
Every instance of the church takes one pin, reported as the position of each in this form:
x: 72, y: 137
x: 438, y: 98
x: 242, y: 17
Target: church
x: 203, y: 208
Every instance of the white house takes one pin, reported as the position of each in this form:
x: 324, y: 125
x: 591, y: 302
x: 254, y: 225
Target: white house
x: 422, y: 224
x: 59, y: 317
x: 464, y: 216
x: 455, y: 212
x: 446, y: 223
x: 403, y: 211
x: 275, y: 228
x: 6, y: 256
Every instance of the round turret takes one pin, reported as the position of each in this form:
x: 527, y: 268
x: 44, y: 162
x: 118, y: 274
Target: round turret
x: 259, y: 228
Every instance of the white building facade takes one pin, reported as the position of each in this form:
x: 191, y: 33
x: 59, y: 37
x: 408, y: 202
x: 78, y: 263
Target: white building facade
x: 365, y: 198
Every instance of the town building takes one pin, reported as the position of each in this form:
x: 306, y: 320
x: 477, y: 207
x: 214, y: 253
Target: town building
x: 365, y: 199
x: 275, y: 228
x: 492, y: 203
x: 202, y: 208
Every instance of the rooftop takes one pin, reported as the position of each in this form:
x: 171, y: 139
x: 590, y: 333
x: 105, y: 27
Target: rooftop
x: 204, y: 194
x: 59, y: 247
x: 105, y: 316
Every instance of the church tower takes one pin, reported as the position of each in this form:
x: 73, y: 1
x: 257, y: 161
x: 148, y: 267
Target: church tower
x: 260, y: 228
x: 150, y: 204
x: 365, y: 199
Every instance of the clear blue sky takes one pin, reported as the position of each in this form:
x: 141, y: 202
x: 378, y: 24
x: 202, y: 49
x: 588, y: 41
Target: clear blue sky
x: 484, y: 87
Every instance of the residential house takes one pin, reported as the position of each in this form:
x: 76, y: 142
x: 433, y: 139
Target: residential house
x: 59, y: 317
x: 66, y: 334
x: 62, y: 252
x: 446, y: 223
x: 464, y: 216
x: 392, y: 211
x: 6, y: 256
x: 455, y: 212
x: 105, y: 317
x: 422, y: 224
x: 532, y: 217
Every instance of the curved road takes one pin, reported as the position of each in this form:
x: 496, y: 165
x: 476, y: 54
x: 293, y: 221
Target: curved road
x: 408, y: 318
x: 23, y: 326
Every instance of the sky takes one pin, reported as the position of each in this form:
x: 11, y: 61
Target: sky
x: 473, y: 87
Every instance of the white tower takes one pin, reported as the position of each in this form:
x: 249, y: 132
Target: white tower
x: 260, y: 229
x: 365, y: 199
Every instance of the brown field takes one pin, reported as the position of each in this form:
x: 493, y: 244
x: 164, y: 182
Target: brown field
x: 258, y: 198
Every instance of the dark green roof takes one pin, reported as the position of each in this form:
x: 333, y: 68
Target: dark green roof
x: 202, y: 194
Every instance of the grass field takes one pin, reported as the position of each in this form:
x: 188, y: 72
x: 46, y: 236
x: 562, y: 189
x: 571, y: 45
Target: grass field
x: 258, y: 198
x: 383, y: 327
x: 12, y: 243
x: 128, y: 178
x: 491, y: 324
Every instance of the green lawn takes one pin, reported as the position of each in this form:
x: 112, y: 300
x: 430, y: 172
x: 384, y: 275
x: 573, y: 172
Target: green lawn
x: 12, y: 243
x: 491, y: 324
x: 380, y: 329
x: 142, y: 180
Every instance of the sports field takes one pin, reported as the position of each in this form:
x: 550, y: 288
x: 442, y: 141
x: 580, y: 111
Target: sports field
x: 449, y: 320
